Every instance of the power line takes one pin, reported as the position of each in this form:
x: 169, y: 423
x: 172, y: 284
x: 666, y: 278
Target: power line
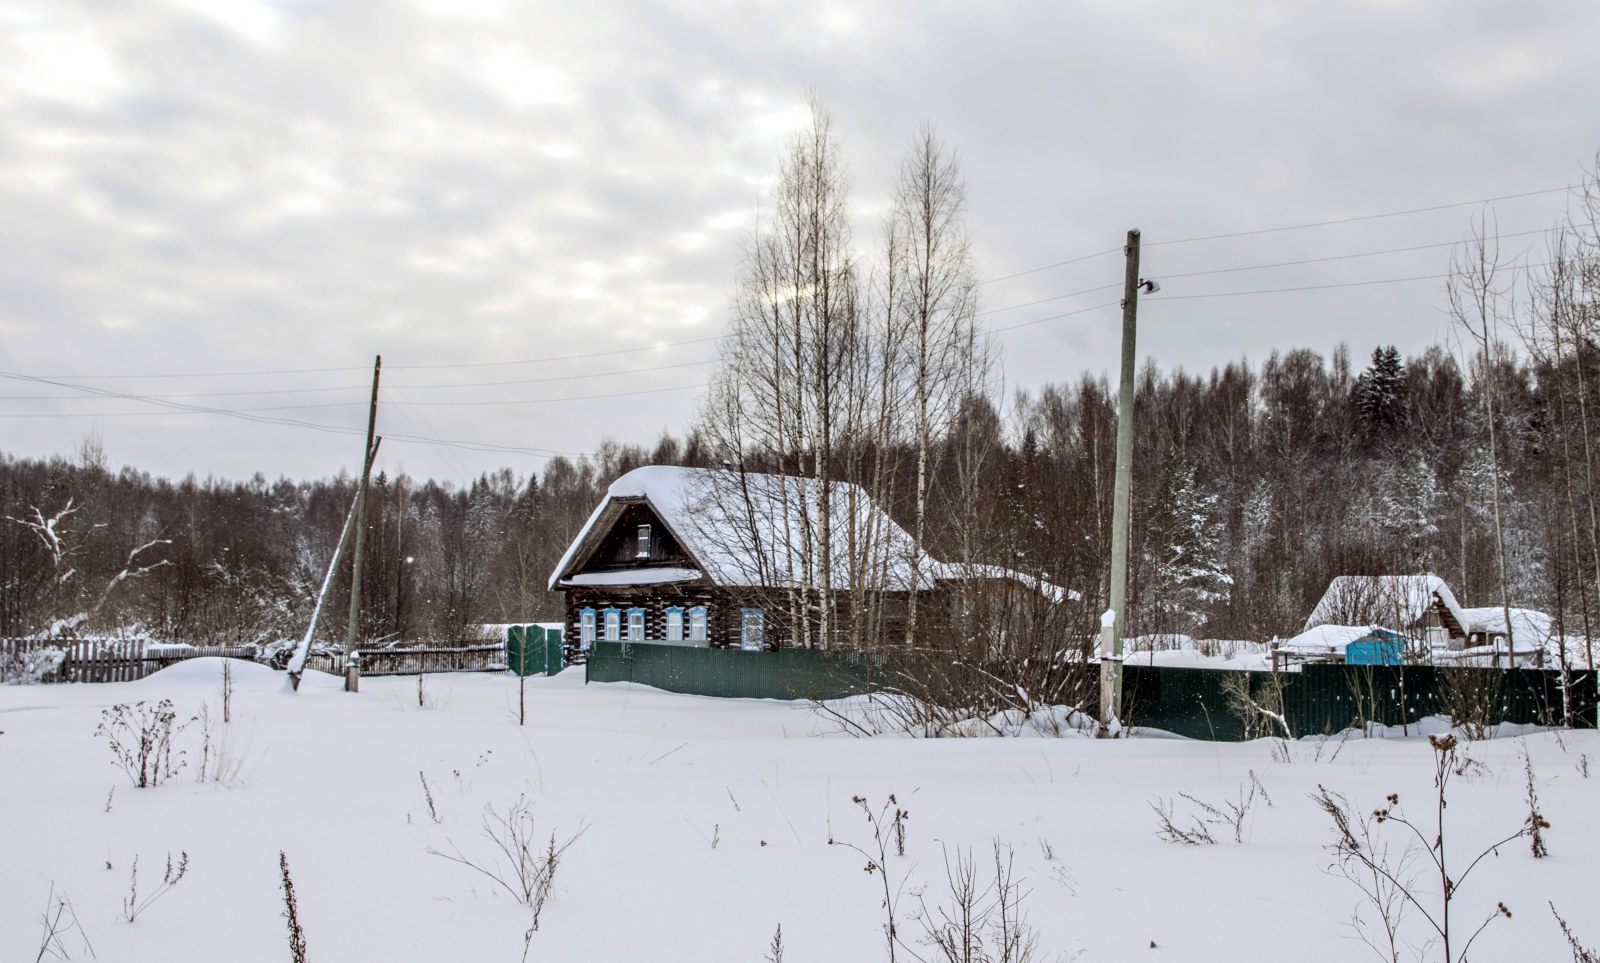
x: 1363, y: 217
x: 1058, y: 297
x: 1303, y: 287
x: 1054, y: 317
x: 1288, y: 227
x: 462, y: 384
x: 287, y: 422
x: 1339, y: 257
x: 401, y: 367
x: 1312, y: 287
x: 201, y: 409
x: 1076, y: 260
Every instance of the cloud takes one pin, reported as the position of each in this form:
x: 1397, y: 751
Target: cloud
x: 215, y: 188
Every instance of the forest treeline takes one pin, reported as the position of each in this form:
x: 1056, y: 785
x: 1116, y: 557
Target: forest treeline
x: 1253, y: 487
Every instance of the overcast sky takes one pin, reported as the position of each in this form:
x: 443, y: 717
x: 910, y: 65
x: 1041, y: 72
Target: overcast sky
x: 236, y: 204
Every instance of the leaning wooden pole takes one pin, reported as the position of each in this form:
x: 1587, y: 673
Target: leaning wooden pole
x: 297, y: 662
x: 352, y: 637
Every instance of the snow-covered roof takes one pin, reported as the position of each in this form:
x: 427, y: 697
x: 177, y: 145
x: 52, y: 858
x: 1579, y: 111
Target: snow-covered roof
x: 1527, y: 625
x: 1382, y: 599
x: 1324, y: 639
x: 746, y: 529
x: 1051, y: 591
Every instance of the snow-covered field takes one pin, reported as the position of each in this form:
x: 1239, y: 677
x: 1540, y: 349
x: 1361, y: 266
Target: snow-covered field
x: 706, y: 824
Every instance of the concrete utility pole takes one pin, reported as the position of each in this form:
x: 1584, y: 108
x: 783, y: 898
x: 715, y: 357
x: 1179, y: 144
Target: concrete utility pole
x: 1112, y: 627
x: 352, y: 637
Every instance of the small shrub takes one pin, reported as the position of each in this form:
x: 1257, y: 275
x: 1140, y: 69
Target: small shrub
x: 1231, y: 813
x: 521, y: 866
x: 888, y: 824
x: 427, y: 797
x: 291, y: 912
x: 1385, y: 877
x: 141, y: 737
x: 1536, y: 823
x: 982, y: 923
x: 1580, y: 953
x: 56, y: 923
x: 1471, y: 698
x: 1170, y: 831
x: 134, y: 904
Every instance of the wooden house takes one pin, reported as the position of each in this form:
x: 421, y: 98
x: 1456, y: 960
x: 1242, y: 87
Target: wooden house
x: 723, y: 559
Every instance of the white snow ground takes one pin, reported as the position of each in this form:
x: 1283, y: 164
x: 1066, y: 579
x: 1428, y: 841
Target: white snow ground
x: 332, y: 780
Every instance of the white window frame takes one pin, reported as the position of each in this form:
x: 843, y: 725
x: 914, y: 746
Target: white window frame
x: 642, y: 549
x: 636, y: 624
x: 752, y: 630
x: 699, y: 625
x: 674, y: 623
x: 585, y: 629
x: 612, y: 621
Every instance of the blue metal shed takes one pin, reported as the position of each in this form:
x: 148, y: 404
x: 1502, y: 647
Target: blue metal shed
x: 1378, y: 647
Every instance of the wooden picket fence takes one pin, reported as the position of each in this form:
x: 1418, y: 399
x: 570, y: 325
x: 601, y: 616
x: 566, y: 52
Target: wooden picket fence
x: 466, y: 656
x: 106, y: 660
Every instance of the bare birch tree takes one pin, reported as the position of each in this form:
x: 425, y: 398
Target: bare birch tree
x: 932, y: 311
x: 1480, y: 298
x: 783, y: 386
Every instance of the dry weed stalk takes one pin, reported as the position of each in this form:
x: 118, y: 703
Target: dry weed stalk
x: 1386, y: 880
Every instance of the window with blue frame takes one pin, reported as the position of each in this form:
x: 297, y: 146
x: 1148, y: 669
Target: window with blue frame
x: 636, y: 625
x: 613, y: 625
x: 752, y: 630
x: 674, y: 623
x: 697, y: 624
x: 585, y: 629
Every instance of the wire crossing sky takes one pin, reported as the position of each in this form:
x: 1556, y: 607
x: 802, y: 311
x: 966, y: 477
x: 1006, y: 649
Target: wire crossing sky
x: 214, y: 213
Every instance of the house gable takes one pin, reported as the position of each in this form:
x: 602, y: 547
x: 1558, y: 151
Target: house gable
x: 636, y: 538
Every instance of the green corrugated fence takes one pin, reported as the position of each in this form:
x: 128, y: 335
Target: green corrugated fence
x: 735, y: 674
x: 1188, y: 702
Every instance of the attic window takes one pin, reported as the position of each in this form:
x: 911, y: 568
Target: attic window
x: 644, y: 542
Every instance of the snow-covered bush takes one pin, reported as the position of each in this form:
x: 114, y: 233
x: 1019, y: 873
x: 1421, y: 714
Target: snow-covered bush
x: 31, y: 666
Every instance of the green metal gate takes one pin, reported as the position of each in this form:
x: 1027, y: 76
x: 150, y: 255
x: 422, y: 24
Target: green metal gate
x: 533, y: 650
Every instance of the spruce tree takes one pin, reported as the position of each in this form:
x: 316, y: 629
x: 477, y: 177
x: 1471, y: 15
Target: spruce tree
x: 1380, y: 394
x: 1186, y: 576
